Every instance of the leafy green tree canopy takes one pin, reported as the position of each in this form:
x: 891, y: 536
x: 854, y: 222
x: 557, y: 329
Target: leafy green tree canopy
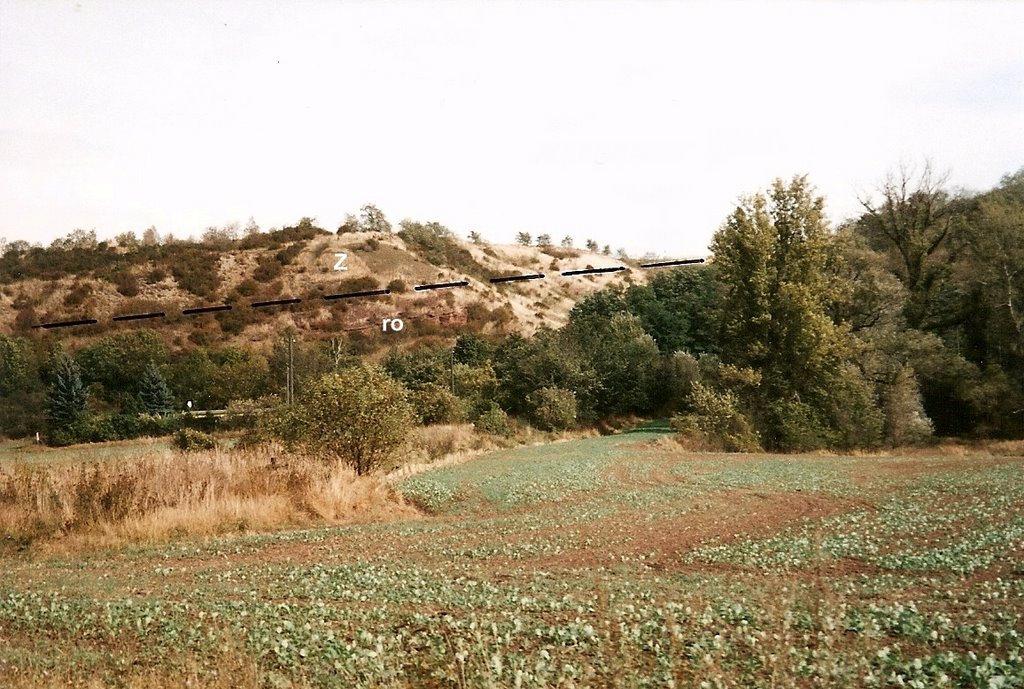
x: 772, y: 258
x: 358, y: 416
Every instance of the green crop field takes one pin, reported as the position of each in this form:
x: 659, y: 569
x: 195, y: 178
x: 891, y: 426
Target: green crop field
x: 25, y: 452
x: 619, y: 561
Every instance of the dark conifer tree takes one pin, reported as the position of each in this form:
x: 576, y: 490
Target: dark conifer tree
x: 67, y: 398
x: 154, y: 392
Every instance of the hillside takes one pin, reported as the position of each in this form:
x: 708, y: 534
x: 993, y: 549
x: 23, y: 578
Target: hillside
x: 114, y: 285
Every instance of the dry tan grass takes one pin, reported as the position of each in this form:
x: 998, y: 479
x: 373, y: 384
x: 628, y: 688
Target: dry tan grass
x: 1007, y: 448
x: 443, y: 445
x: 159, y: 497
x: 440, y: 445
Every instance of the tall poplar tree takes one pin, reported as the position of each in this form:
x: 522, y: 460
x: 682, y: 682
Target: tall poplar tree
x: 772, y: 256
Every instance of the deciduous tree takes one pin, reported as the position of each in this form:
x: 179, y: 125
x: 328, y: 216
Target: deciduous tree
x: 771, y: 258
x: 915, y: 222
x: 372, y: 219
x: 358, y: 416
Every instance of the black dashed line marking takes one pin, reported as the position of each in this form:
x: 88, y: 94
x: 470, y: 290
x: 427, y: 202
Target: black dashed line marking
x: 275, y: 302
x: 206, y: 309
x: 66, y: 324
x: 518, y: 278
x: 139, y: 316
x: 441, y: 285
x: 368, y: 293
x: 665, y: 264
x: 593, y: 271
x: 353, y: 295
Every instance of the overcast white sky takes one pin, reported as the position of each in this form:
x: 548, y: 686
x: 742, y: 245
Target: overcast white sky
x: 638, y: 124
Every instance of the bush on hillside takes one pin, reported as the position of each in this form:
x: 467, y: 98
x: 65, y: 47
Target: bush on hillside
x: 364, y: 283
x: 78, y: 294
x: 300, y: 233
x: 196, y: 269
x: 436, y: 245
x: 288, y: 254
x: 267, y: 269
x: 127, y: 283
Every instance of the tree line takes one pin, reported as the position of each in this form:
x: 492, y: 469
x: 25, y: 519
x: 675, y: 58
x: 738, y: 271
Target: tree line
x: 901, y: 323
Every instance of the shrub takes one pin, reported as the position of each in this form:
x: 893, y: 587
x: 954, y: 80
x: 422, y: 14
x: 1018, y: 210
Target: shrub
x: 125, y: 426
x: 559, y: 253
x: 678, y: 374
x: 494, y: 421
x: 853, y: 410
x: 78, y: 294
x: 250, y: 413
x: 196, y: 269
x: 553, y: 409
x: 435, y: 244
x: 267, y: 268
x: 359, y: 415
x: 359, y: 284
x: 191, y: 440
x: 247, y: 287
x: 475, y: 386
x: 286, y: 255
x: 127, y: 283
x: 398, y: 286
x: 153, y: 425
x: 716, y: 421
x: 906, y: 422
x: 435, y: 404
x: 794, y: 426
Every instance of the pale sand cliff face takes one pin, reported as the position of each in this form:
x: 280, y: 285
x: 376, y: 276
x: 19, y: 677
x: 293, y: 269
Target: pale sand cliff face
x: 311, y: 274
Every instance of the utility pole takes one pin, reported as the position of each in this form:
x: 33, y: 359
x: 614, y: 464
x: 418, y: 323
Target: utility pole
x: 453, y: 371
x: 290, y: 382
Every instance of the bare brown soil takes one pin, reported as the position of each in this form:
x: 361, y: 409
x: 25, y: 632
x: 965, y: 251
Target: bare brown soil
x: 718, y: 517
